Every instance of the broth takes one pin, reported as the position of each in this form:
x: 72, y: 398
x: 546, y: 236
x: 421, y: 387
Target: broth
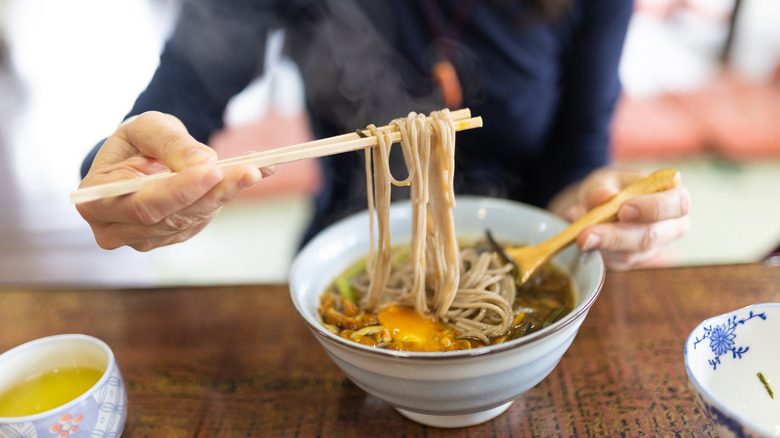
x: 543, y: 299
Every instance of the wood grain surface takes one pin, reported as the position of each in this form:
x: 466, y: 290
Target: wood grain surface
x: 237, y: 360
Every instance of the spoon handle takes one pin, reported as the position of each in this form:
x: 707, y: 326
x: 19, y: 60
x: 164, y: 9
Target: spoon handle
x: 658, y: 181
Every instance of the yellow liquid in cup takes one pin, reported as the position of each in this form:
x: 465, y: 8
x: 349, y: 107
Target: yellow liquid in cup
x: 47, y: 391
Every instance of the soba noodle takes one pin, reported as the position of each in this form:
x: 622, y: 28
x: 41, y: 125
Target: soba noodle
x: 473, y: 292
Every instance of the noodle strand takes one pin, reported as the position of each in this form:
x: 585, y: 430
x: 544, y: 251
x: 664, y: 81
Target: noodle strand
x: 472, y: 292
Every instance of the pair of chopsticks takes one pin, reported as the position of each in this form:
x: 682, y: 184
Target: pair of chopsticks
x: 312, y: 149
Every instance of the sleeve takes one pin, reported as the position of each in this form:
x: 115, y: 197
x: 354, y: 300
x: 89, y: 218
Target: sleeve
x: 215, y: 50
x: 579, y: 141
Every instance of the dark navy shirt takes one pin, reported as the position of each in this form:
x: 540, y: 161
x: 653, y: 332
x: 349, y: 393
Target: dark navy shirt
x: 545, y: 88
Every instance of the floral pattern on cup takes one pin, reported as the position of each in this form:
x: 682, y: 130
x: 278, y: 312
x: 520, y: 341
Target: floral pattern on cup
x: 68, y: 424
x: 101, y: 415
x: 723, y: 338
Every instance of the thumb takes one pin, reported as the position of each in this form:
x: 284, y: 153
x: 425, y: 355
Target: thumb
x: 601, y: 195
x: 164, y: 137
x: 599, y: 189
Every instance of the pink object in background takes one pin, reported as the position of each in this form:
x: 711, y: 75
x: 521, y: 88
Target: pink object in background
x: 273, y: 130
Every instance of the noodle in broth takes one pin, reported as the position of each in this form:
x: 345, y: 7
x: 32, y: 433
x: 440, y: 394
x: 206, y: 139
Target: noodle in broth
x: 471, y: 291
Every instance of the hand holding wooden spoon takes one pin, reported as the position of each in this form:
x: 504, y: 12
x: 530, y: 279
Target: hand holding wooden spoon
x: 530, y: 258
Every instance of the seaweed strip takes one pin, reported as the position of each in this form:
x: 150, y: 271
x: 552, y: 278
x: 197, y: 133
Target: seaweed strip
x: 554, y: 316
x: 503, y: 255
x: 766, y: 385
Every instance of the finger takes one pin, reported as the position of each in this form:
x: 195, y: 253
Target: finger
x: 236, y: 179
x: 268, y: 171
x: 598, y: 191
x: 165, y: 138
x: 113, y: 227
x: 618, y: 236
x: 183, y: 224
x: 670, y: 204
x: 603, y: 185
x: 575, y: 212
x: 161, y: 199
x: 142, y: 237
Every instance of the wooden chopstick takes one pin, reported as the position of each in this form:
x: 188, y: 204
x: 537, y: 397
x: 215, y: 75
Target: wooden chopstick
x: 312, y: 149
x: 457, y: 115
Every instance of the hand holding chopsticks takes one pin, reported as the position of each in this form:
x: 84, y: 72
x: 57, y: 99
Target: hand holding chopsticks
x: 312, y: 149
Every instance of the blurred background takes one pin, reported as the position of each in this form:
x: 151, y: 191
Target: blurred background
x: 701, y: 93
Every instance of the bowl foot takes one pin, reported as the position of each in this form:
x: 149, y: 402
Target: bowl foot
x: 464, y: 420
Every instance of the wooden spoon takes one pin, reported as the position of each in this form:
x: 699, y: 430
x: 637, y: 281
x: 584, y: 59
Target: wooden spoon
x: 530, y: 258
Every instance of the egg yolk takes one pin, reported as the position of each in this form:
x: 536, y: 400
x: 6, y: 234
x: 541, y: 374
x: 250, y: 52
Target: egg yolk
x: 416, y: 332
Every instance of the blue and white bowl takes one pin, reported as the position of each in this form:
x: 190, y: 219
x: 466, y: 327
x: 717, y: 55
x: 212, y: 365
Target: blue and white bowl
x: 733, y: 364
x: 100, y: 411
x: 450, y: 388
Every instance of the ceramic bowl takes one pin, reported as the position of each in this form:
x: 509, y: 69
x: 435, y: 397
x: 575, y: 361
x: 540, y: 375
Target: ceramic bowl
x: 100, y: 411
x: 733, y: 364
x: 454, y: 388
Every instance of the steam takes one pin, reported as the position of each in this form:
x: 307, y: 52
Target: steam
x: 352, y: 76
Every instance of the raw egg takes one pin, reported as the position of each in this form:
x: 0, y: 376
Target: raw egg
x: 414, y: 331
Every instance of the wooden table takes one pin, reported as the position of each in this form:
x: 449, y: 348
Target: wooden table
x: 237, y: 361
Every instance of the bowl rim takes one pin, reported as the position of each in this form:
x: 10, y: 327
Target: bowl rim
x: 579, y: 310
x: 701, y: 388
x: 110, y: 365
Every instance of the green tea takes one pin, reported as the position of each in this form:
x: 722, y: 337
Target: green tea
x: 46, y: 391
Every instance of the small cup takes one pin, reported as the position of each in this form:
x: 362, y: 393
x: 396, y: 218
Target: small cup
x: 102, y: 409
x: 733, y: 366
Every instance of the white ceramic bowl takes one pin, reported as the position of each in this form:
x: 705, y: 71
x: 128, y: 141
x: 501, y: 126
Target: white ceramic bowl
x: 100, y: 411
x: 723, y: 357
x: 455, y: 388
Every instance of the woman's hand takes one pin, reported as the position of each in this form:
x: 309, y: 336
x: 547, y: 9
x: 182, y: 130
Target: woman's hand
x: 168, y: 211
x: 644, y: 225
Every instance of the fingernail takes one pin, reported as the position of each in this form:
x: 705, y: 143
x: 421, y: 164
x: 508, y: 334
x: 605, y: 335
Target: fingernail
x: 575, y: 212
x: 628, y: 213
x: 591, y: 242
x: 268, y: 171
x: 251, y: 178
x: 198, y: 156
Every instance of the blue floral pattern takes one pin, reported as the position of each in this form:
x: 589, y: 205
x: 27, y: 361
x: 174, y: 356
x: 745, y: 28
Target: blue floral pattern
x: 723, y: 338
